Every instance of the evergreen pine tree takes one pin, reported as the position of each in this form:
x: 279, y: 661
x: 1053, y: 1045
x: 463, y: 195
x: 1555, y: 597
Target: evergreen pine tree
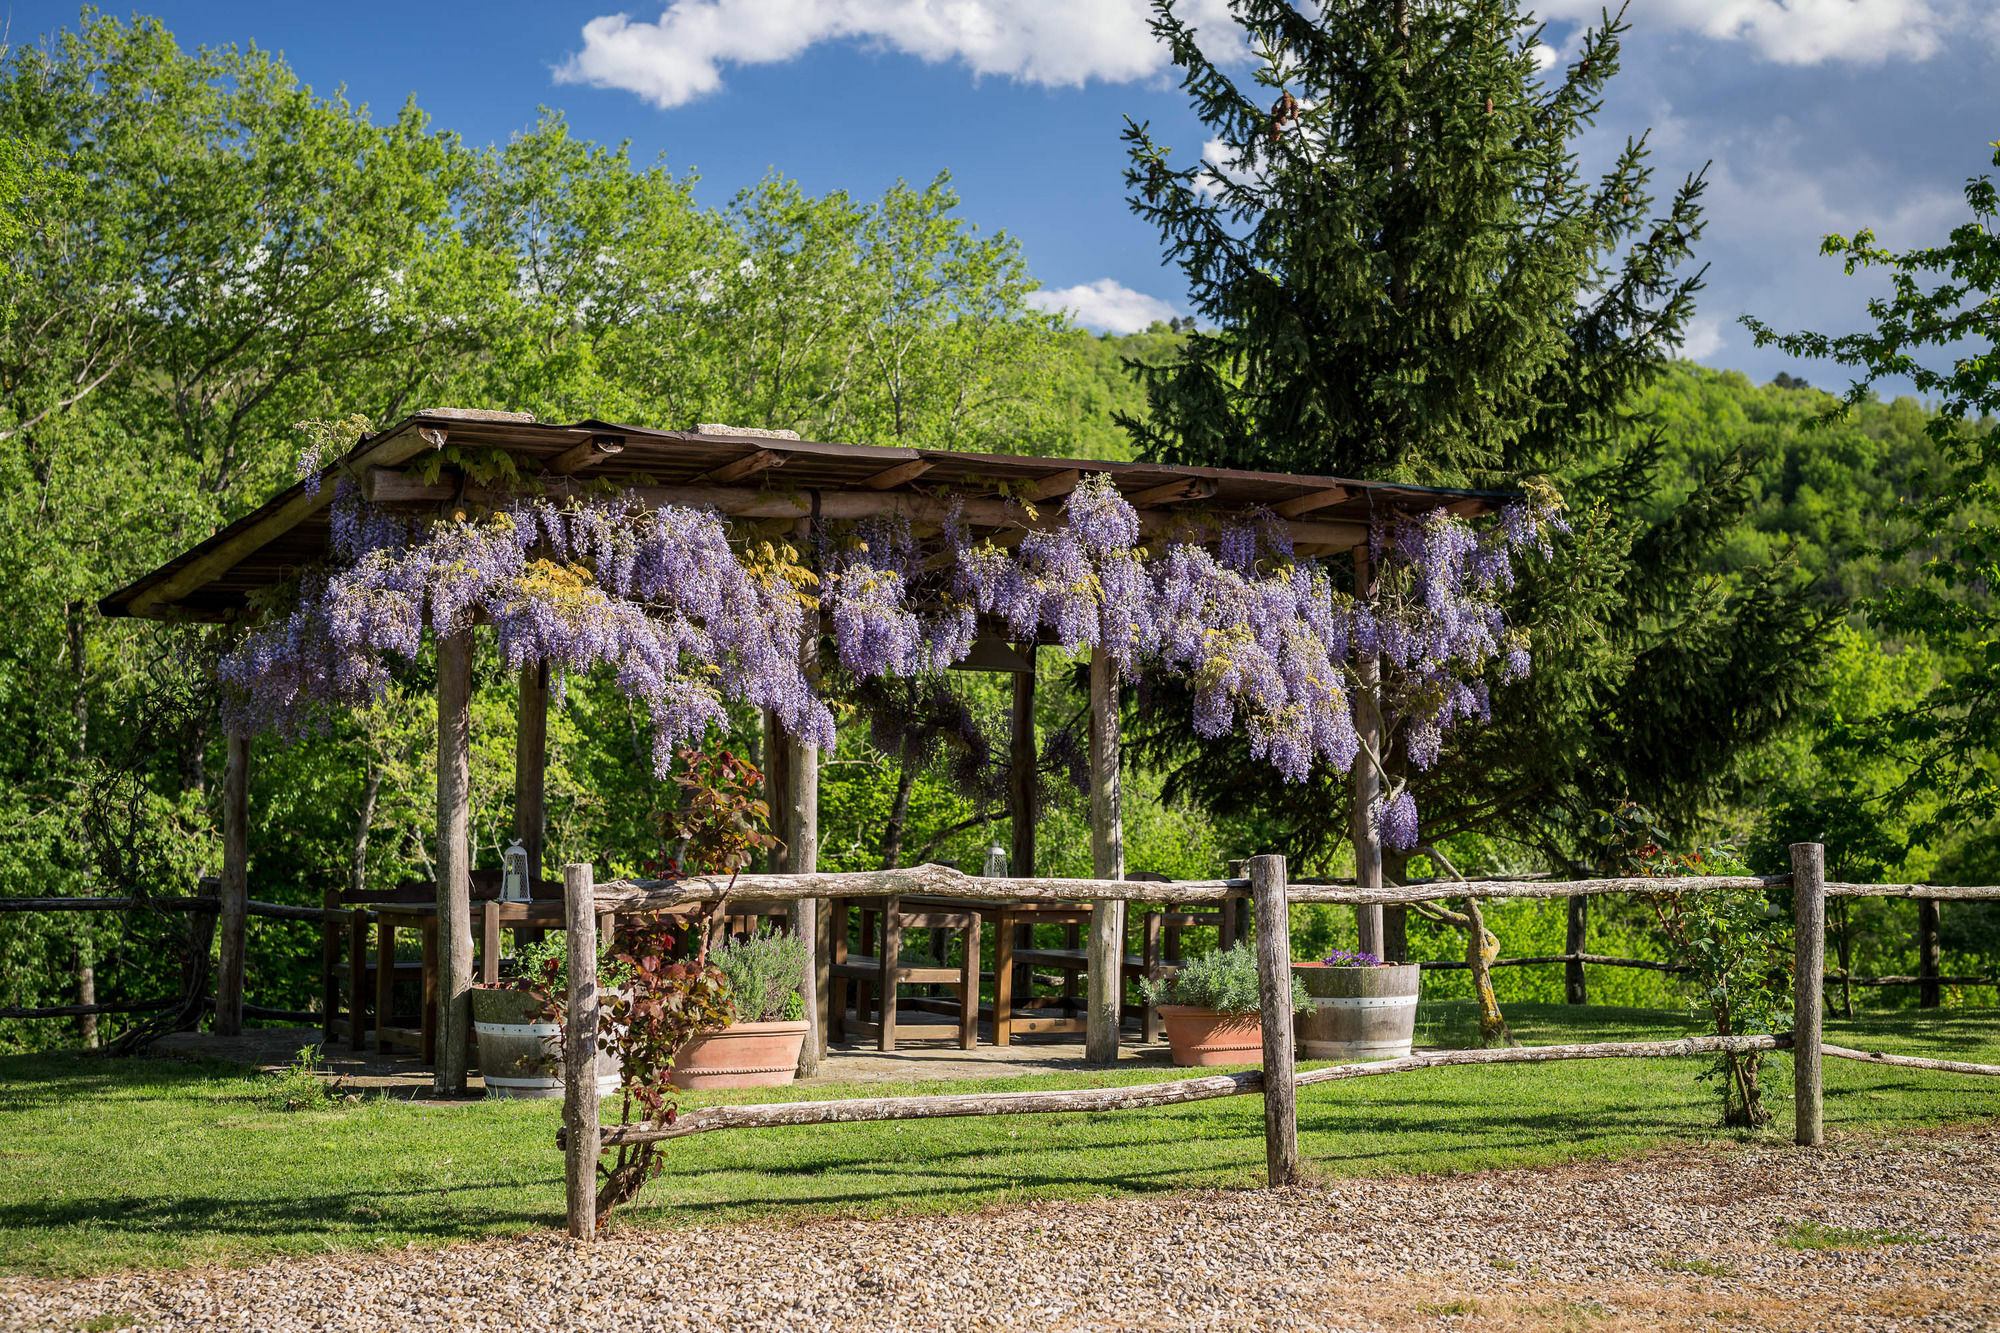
x: 1403, y: 273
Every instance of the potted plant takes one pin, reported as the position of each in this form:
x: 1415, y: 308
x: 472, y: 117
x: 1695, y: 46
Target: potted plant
x: 1212, y: 1009
x: 517, y: 1024
x: 1361, y: 1008
x: 760, y: 1047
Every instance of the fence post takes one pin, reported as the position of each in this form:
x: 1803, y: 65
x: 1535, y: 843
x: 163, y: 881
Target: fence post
x: 580, y: 1052
x: 1808, y: 979
x: 233, y: 926
x: 1274, y: 977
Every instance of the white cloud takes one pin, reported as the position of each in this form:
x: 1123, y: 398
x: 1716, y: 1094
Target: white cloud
x: 1106, y: 305
x: 1805, y: 32
x: 680, y: 56
x: 1702, y: 338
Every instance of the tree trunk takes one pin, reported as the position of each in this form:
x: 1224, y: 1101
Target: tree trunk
x: 79, y: 706
x: 1482, y: 946
x: 1575, y: 941
x: 1846, y: 947
x: 1930, y: 953
x: 364, y: 819
x: 86, y: 990
x: 1395, y: 918
x: 899, y: 813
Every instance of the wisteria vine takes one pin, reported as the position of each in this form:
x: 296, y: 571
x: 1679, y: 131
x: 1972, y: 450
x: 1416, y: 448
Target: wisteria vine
x: 689, y: 623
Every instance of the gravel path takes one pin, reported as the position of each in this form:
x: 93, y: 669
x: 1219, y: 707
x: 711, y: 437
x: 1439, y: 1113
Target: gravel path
x: 1679, y: 1240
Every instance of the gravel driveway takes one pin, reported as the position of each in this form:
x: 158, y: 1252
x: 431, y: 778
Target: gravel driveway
x: 1685, y: 1239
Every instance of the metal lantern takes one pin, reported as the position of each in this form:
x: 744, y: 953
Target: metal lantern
x: 996, y: 862
x: 514, y: 882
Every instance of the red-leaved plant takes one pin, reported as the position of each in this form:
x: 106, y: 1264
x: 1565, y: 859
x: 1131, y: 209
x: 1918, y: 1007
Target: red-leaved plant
x: 668, y: 999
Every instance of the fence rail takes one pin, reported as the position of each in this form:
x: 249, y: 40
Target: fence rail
x: 583, y: 1139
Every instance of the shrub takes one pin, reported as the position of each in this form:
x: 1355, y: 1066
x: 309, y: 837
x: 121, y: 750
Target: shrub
x: 764, y: 973
x: 1225, y: 982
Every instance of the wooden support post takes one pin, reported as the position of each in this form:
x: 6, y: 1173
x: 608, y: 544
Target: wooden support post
x: 1395, y: 916
x: 454, y: 860
x: 580, y: 1052
x: 1367, y: 779
x: 235, y: 885
x: 1274, y: 986
x: 86, y: 987
x: 531, y: 757
x: 1808, y: 977
x: 1930, y: 954
x: 1107, y: 859
x: 1022, y: 759
x: 1575, y: 989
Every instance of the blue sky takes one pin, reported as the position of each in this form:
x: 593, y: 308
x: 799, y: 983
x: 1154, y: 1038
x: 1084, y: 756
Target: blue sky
x: 1817, y: 115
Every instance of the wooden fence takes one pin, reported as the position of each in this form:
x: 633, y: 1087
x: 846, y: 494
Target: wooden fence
x: 193, y: 998
x: 583, y: 1139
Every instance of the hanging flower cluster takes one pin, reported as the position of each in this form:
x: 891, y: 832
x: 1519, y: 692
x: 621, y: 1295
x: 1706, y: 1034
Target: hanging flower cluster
x: 655, y: 595
x: 689, y: 624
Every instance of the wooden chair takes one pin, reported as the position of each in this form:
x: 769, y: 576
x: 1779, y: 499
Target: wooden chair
x: 886, y: 969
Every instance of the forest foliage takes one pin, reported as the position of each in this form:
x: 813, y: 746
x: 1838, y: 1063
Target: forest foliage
x: 199, y: 253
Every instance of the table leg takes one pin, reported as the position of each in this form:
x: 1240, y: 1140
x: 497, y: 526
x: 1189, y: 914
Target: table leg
x: 885, y: 980
x: 357, y: 978
x: 1072, y: 940
x: 1149, y: 1017
x: 489, y: 944
x: 430, y: 934
x: 968, y: 989
x: 385, y: 981
x: 836, y: 998
x: 1003, y: 981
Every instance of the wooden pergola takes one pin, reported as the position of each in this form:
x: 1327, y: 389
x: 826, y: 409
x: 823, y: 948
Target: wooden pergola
x: 780, y: 484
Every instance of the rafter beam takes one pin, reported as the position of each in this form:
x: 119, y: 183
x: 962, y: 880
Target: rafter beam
x: 1305, y: 504
x: 890, y: 478
x: 1002, y: 518
x: 1053, y: 485
x: 747, y: 466
x: 1186, y: 488
x: 584, y: 454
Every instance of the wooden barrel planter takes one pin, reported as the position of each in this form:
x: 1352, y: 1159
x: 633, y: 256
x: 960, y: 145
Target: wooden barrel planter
x: 742, y: 1055
x: 1358, y: 1013
x: 520, y: 1055
x: 1201, y: 1037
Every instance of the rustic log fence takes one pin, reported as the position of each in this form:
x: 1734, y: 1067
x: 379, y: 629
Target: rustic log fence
x: 583, y: 1139
x: 193, y: 998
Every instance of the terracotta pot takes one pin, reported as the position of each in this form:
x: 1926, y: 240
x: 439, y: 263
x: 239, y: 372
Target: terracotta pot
x: 742, y: 1055
x: 1358, y: 1013
x: 520, y: 1054
x: 1198, y: 1037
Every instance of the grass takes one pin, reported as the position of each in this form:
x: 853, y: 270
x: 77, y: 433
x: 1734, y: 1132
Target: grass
x: 116, y: 1164
x: 1819, y: 1236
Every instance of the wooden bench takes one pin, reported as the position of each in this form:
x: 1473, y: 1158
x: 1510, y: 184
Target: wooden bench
x: 882, y: 971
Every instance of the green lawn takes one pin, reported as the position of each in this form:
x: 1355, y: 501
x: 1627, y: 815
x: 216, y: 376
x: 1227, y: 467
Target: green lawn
x: 111, y: 1164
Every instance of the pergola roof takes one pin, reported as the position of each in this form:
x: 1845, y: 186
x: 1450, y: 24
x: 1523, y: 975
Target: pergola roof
x: 746, y: 475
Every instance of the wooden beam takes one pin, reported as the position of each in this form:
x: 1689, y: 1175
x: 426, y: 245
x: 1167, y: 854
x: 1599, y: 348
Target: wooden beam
x: 896, y: 476
x: 854, y: 1110
x: 454, y: 860
x: 1367, y: 779
x: 1274, y: 993
x: 1106, y: 974
x: 531, y: 747
x: 1053, y: 485
x: 747, y: 466
x: 1186, y: 488
x: 1305, y: 504
x: 582, y: 455
x: 1808, y: 999
x: 1021, y: 775
x: 580, y: 1053
x: 938, y: 881
x: 399, y: 489
x: 235, y: 885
